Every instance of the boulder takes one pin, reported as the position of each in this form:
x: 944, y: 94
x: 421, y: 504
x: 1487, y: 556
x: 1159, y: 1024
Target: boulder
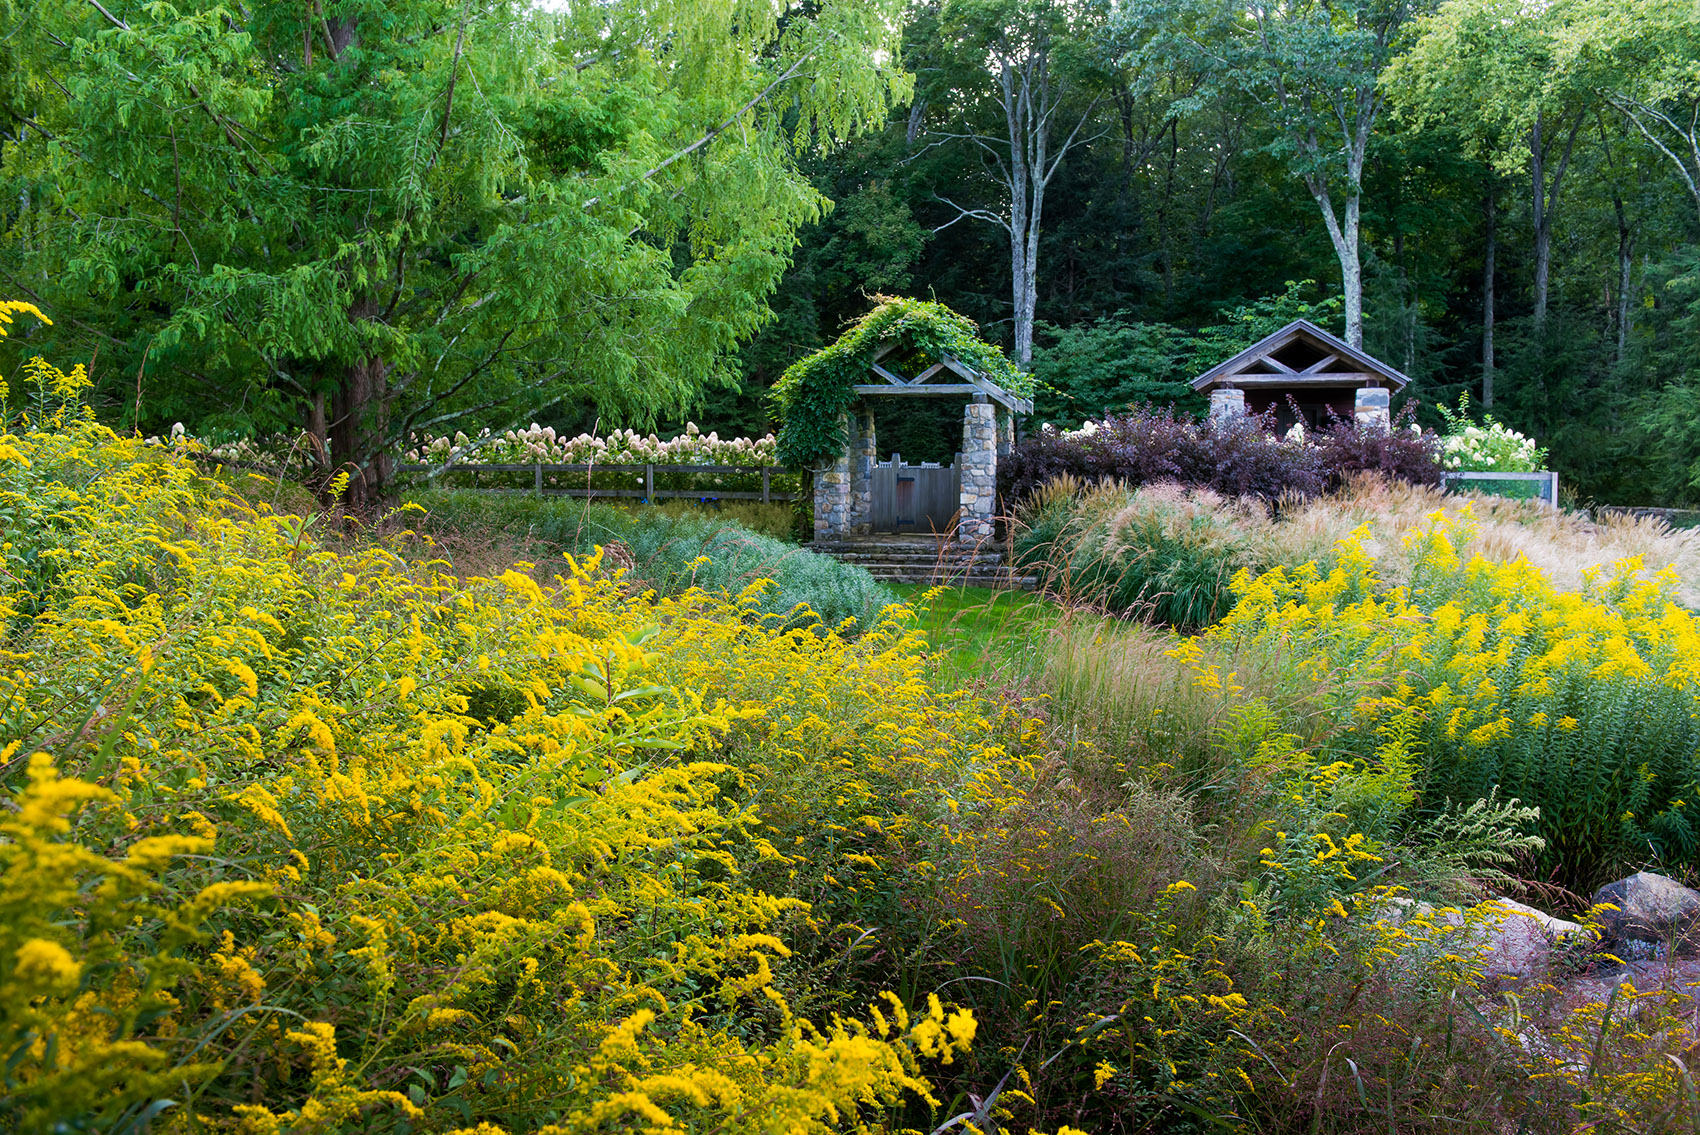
x: 1516, y: 939
x: 1653, y: 913
x: 1519, y: 937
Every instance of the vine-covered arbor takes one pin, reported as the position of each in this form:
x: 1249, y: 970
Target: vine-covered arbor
x: 901, y: 349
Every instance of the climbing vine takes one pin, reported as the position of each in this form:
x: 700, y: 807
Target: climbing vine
x: 811, y: 395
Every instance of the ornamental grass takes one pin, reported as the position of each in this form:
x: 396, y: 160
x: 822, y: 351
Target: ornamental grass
x: 1582, y: 703
x: 303, y: 831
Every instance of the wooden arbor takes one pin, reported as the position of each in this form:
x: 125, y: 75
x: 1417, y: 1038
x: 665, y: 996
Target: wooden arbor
x: 844, y: 501
x: 1302, y: 365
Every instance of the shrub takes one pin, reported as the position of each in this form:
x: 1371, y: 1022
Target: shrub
x: 308, y: 840
x: 1234, y: 457
x: 1582, y: 704
x: 1488, y: 448
x: 621, y: 447
x: 1406, y: 452
x: 673, y: 549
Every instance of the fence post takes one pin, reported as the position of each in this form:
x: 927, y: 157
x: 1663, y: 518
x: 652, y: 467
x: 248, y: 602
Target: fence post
x: 538, y: 470
x: 649, y: 483
x: 766, y: 484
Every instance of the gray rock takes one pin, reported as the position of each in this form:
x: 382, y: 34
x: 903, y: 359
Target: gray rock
x: 1519, y: 937
x: 1651, y: 910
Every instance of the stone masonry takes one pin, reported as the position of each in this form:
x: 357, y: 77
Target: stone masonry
x: 979, y: 469
x: 864, y: 455
x: 1226, y: 403
x: 832, y: 492
x: 1006, y: 432
x: 1373, y: 407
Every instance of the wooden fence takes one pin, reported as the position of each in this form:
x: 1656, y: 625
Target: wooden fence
x: 545, y: 480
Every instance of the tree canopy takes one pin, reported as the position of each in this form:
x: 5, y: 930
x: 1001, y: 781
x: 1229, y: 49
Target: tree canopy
x: 376, y: 218
x: 368, y: 219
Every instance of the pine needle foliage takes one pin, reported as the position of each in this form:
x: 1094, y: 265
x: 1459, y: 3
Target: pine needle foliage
x: 812, y: 393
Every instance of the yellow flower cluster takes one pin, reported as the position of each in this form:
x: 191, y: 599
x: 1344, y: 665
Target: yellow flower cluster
x: 306, y: 834
x: 1581, y: 703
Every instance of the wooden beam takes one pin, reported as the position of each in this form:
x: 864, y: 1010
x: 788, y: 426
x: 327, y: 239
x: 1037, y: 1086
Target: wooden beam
x: 926, y: 374
x: 959, y: 367
x: 1271, y: 360
x: 1316, y: 367
x: 1331, y: 378
x: 930, y: 390
x: 890, y: 376
x: 998, y: 394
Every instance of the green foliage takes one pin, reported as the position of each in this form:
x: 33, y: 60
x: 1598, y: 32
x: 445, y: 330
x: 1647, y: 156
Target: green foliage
x: 673, y: 549
x: 1096, y: 368
x: 1667, y: 414
x: 1249, y: 322
x: 378, y: 219
x: 1162, y: 554
x: 814, y: 392
x: 1113, y: 363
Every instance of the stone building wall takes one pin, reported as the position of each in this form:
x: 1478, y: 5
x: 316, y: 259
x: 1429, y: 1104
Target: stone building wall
x: 864, y: 455
x: 832, y: 492
x: 979, y: 468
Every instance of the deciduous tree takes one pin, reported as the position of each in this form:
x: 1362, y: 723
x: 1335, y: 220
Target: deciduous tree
x: 1314, y: 67
x: 1025, y: 79
x: 379, y: 217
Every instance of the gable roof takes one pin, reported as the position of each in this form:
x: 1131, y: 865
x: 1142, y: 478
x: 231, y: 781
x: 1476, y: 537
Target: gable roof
x: 957, y: 378
x: 1313, y: 358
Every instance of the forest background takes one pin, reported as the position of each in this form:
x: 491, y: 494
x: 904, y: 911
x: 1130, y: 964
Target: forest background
x: 374, y: 219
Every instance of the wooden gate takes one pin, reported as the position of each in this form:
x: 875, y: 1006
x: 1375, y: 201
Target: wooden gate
x: 915, y: 498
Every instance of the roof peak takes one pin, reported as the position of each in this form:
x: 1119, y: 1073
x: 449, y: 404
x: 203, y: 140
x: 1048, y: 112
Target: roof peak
x: 1330, y: 360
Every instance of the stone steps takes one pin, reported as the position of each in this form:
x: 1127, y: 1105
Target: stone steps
x: 926, y: 559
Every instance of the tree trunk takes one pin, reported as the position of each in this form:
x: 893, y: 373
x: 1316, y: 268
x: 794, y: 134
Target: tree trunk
x: 1625, y: 251
x: 1542, y: 222
x: 1020, y: 120
x: 1544, y: 201
x: 917, y: 118
x: 360, y: 422
x: 1352, y: 277
x: 316, y: 429
x: 1343, y: 234
x: 1489, y: 254
x: 1029, y: 301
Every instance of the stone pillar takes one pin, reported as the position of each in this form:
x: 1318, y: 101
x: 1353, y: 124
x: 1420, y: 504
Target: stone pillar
x: 864, y: 453
x: 1226, y: 403
x: 1006, y: 431
x: 832, y: 491
x: 1373, y: 408
x: 978, y: 467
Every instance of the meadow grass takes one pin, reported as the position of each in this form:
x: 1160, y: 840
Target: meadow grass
x: 981, y: 632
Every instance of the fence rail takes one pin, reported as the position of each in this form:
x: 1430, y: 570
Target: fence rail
x: 1547, y: 480
x: 540, y: 471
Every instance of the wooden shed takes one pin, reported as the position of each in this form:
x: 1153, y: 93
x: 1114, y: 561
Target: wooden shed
x: 1304, y: 366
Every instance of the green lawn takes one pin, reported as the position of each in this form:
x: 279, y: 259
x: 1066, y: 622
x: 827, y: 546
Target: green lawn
x: 979, y: 632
